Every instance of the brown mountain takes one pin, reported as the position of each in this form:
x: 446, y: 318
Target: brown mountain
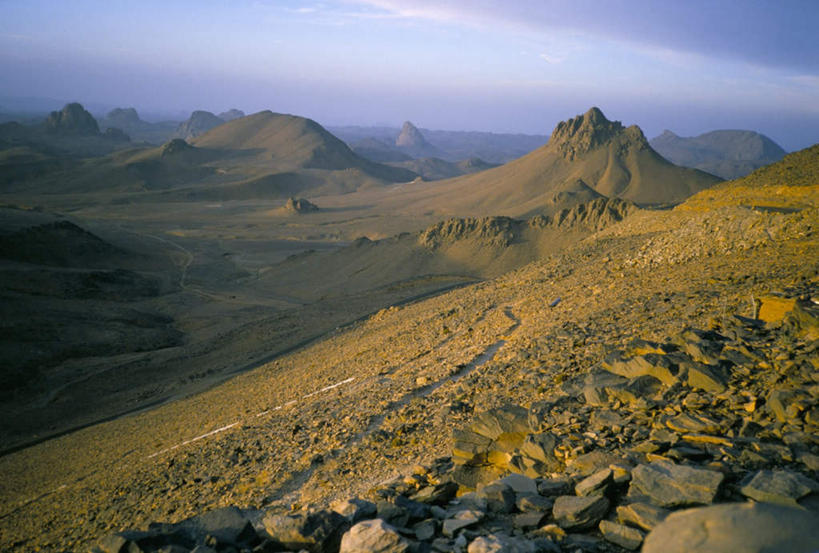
x: 586, y: 157
x: 289, y: 143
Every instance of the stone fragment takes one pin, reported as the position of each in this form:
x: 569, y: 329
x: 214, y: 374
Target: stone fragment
x: 703, y: 377
x: 579, y: 513
x: 597, y: 383
x: 624, y: 536
x: 529, y: 520
x: 373, y: 536
x: 500, y: 498
x: 736, y: 527
x: 471, y: 477
x: 691, y: 422
x: 597, y: 483
x: 635, y: 390
x: 461, y: 519
x: 520, y: 483
x: 773, y: 308
x: 803, y: 321
x: 553, y: 487
x: 314, y: 532
x: 642, y: 515
x: 469, y: 448
x: 500, y: 543
x: 540, y: 447
x: 661, y: 367
x: 354, y: 510
x: 533, y: 502
x: 779, y: 486
x: 784, y: 404
x: 506, y: 420
x: 667, y: 484
x: 425, y: 530
x: 392, y: 514
x: 438, y: 494
x: 227, y: 524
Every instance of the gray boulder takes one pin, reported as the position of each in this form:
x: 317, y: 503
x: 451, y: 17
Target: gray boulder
x: 314, y: 532
x: 579, y: 513
x: 738, y: 528
x: 373, y: 536
x: 670, y: 485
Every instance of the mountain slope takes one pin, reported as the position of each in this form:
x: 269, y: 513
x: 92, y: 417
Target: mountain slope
x: 608, y: 160
x: 729, y: 154
x: 787, y: 185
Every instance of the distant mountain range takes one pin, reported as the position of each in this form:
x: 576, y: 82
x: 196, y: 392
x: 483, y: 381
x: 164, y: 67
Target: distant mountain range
x: 587, y: 157
x: 393, y: 144
x: 729, y: 154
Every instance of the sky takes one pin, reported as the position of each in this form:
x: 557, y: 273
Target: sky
x: 690, y: 66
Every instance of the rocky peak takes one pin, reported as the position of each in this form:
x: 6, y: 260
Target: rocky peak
x: 123, y: 116
x: 231, y: 114
x: 586, y: 132
x: 72, y: 119
x: 410, y: 137
x: 199, y: 122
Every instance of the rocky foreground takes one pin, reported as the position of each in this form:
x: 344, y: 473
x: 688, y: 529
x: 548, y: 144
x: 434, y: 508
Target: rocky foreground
x: 707, y: 442
x: 662, y: 373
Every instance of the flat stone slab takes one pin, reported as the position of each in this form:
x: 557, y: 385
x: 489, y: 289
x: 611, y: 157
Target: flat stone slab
x: 736, y: 527
x: 779, y: 486
x: 579, y: 513
x: 667, y: 484
x: 624, y: 536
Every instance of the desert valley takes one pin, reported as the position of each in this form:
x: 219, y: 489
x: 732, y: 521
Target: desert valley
x: 253, y: 332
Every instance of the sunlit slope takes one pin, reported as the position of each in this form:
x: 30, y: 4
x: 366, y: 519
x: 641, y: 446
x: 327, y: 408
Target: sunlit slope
x: 789, y: 184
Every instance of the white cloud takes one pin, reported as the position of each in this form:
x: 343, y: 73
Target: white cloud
x: 552, y: 58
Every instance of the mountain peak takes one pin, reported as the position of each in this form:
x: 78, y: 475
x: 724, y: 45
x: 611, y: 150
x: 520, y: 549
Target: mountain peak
x: 73, y: 119
x: 584, y: 133
x: 410, y: 137
x: 231, y: 114
x: 124, y: 116
x: 199, y: 123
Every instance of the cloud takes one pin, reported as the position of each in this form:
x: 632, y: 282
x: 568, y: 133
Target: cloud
x: 551, y: 58
x: 757, y: 32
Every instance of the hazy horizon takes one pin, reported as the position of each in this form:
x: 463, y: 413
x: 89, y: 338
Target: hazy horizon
x: 513, y: 67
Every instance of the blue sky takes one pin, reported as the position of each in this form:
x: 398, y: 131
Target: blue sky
x: 510, y: 66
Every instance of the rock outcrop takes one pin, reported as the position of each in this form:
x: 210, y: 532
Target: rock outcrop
x: 73, y: 119
x: 413, y: 143
x: 231, y: 114
x: 198, y: 123
x: 300, y: 206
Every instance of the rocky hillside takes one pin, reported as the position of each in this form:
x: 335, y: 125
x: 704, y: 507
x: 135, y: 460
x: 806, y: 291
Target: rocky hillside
x: 728, y: 154
x: 606, y: 397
